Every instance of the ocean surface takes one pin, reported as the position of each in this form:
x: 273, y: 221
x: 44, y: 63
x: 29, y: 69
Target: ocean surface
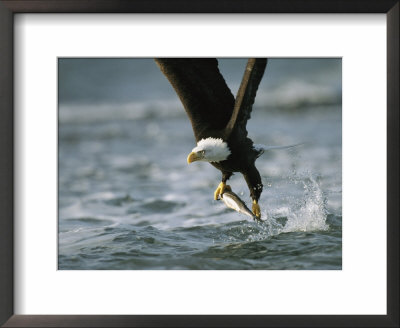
x: 128, y: 200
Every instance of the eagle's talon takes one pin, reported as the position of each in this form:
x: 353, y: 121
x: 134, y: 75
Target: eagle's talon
x: 256, y: 209
x: 222, y: 187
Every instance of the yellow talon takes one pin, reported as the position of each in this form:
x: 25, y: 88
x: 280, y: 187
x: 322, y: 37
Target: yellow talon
x: 256, y: 209
x: 221, y: 189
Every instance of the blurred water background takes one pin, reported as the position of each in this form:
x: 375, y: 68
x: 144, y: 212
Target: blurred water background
x: 128, y: 199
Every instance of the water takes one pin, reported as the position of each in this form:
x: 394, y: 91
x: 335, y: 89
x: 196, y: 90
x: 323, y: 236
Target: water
x: 128, y: 199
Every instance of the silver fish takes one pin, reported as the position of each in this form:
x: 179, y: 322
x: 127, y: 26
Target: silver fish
x: 233, y: 201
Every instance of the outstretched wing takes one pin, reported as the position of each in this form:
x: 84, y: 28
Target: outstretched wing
x: 202, y: 90
x: 245, y: 98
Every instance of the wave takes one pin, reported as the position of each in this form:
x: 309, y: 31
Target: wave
x: 299, y: 95
x: 95, y: 113
x: 288, y: 96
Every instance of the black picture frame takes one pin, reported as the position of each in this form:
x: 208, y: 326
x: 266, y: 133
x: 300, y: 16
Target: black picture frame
x: 10, y: 7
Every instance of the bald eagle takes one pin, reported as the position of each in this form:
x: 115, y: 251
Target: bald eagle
x: 218, y: 120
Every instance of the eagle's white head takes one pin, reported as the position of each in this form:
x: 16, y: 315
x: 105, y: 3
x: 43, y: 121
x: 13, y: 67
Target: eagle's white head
x: 209, y: 150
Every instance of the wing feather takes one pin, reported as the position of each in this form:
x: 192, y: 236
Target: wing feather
x: 202, y: 90
x: 245, y: 97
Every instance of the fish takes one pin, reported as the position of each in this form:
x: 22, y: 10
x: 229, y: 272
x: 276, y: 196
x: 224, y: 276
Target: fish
x: 233, y: 201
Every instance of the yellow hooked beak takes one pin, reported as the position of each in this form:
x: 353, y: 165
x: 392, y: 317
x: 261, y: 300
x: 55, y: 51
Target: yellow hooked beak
x: 192, y: 157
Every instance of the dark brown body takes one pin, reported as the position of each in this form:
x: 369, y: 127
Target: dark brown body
x: 242, y: 160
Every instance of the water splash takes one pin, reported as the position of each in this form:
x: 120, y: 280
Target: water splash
x: 310, y: 213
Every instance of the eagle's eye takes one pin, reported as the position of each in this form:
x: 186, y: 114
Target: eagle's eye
x: 203, y: 152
